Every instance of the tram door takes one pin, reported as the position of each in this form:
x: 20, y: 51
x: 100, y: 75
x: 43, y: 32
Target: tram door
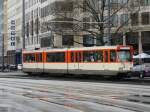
x: 39, y: 62
x: 75, y: 59
x: 106, y: 59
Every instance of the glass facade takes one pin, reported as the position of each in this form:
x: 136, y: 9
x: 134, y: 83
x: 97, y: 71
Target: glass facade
x: 124, y: 18
x: 40, y: 13
x: 1, y: 25
x: 145, y: 2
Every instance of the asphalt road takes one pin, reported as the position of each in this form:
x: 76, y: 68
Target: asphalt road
x: 41, y: 95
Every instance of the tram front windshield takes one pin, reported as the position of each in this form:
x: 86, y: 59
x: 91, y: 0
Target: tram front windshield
x: 124, y: 56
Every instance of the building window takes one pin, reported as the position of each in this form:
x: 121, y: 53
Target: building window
x: 63, y: 6
x: 43, y: 1
x: 67, y: 40
x: 124, y: 19
x: 123, y: 1
x: 56, y: 7
x: 27, y: 29
x: 46, y: 41
x: 85, y: 7
x: 86, y: 24
x: 145, y: 18
x: 117, y: 39
x: 114, y: 20
x: 132, y: 38
x: 114, y: 4
x: 12, y: 43
x: 134, y: 19
x: 146, y: 37
x: 65, y: 24
x: 88, y: 40
x: 43, y: 27
x: 145, y: 2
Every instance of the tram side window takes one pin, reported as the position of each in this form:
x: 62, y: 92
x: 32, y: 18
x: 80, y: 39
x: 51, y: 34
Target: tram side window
x: 50, y: 57
x: 72, y: 56
x: 29, y: 58
x: 106, y: 56
x: 39, y: 57
x: 89, y: 56
x: 24, y: 57
x: 55, y: 57
x: 78, y: 57
x: 60, y: 57
x: 113, y: 56
x: 100, y: 56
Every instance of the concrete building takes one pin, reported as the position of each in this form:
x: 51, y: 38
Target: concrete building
x: 5, y: 8
x: 14, y: 31
x: 137, y: 30
x: 32, y: 23
x: 43, y: 31
x: 1, y: 27
x: 40, y: 31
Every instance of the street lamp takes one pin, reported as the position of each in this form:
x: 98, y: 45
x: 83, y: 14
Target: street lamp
x: 124, y: 38
x: 3, y: 53
x: 109, y: 22
x: 23, y: 24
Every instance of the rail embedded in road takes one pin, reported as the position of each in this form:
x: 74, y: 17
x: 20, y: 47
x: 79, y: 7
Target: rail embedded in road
x: 29, y: 95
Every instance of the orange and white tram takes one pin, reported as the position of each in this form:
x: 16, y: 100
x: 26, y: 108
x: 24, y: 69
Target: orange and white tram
x: 103, y: 60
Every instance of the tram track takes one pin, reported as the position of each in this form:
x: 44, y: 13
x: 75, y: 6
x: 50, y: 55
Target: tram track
x: 78, y: 78
x: 62, y: 94
x: 79, y: 89
x: 72, y: 105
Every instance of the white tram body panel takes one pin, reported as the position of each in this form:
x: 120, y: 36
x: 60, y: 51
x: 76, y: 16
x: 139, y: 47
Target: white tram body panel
x: 32, y: 66
x: 40, y: 67
x: 29, y: 67
x: 99, y: 68
x: 55, y: 68
x: 58, y: 67
x: 76, y: 67
x: 103, y: 69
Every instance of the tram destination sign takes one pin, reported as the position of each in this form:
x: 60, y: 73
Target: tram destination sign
x: 124, y: 48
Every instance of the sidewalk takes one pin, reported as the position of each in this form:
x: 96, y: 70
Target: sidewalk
x: 12, y: 73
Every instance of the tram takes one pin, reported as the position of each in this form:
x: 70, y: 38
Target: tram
x: 101, y: 60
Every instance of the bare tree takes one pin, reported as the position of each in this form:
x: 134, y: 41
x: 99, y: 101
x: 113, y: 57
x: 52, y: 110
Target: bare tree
x: 91, y: 17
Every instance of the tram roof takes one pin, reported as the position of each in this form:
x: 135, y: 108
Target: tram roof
x: 64, y: 49
x: 96, y: 47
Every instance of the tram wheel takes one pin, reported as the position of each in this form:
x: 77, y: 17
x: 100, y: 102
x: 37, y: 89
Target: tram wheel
x: 118, y: 77
x: 28, y: 73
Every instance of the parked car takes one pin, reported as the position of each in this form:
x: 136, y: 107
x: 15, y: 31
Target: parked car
x: 19, y: 67
x: 141, y: 65
x: 12, y: 67
x: 6, y: 66
x: 142, y: 70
